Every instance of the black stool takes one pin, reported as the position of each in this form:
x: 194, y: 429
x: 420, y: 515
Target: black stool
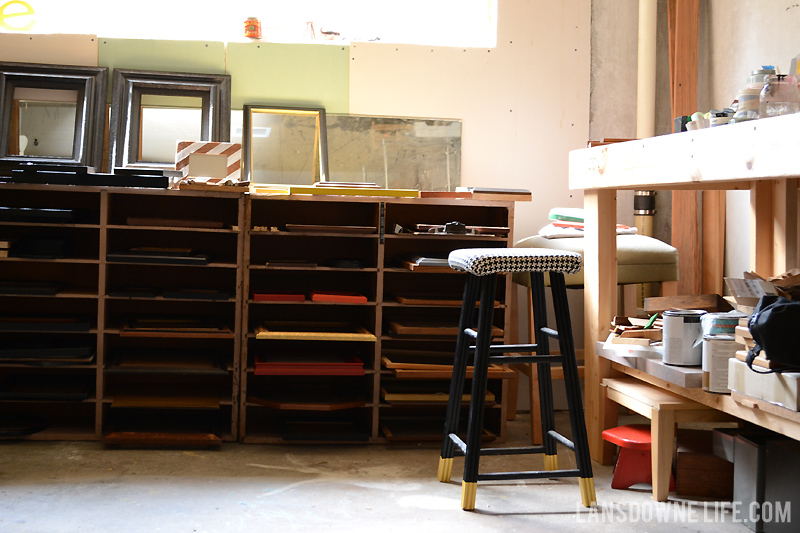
x: 482, y: 266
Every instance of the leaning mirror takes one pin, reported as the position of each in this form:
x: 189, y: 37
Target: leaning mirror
x: 151, y: 111
x: 395, y: 152
x: 52, y: 114
x: 284, y: 145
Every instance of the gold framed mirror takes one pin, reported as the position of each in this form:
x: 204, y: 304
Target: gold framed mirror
x: 284, y: 145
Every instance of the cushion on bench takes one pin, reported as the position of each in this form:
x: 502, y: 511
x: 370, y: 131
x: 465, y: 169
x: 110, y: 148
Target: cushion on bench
x: 640, y: 259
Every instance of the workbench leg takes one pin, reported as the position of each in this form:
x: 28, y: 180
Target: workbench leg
x: 600, y: 306
x: 663, y: 448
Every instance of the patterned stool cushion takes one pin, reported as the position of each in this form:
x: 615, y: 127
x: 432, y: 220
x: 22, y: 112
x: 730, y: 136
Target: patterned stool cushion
x: 484, y: 261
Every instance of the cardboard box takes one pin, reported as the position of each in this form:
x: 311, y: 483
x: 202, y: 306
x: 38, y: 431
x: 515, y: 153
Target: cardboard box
x: 747, y: 292
x: 782, y: 470
x: 779, y: 388
x: 700, y: 473
x: 722, y: 442
x: 749, y: 476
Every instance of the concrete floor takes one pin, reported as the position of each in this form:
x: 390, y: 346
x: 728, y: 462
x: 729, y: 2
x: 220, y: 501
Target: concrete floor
x: 81, y: 487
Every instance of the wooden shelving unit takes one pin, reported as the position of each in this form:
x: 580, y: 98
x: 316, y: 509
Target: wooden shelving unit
x: 192, y: 318
x: 171, y: 310
x: 49, y: 330
x: 297, y: 245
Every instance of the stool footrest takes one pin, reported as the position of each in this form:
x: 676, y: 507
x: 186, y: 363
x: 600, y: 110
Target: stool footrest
x: 520, y: 450
x: 543, y: 474
x: 458, y: 442
x: 507, y: 348
x: 512, y: 359
x: 562, y: 439
x: 549, y: 332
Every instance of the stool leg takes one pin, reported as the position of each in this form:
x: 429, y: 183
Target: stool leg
x: 545, y: 381
x: 478, y: 396
x: 536, y: 406
x: 457, y: 381
x: 633, y: 466
x: 573, y: 387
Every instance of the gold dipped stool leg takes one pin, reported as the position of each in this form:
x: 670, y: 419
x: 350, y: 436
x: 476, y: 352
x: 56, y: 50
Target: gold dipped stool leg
x: 551, y: 462
x: 588, y: 496
x: 468, y: 492
x: 445, y: 469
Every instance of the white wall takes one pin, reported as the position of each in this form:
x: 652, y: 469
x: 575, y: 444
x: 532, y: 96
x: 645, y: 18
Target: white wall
x: 524, y: 104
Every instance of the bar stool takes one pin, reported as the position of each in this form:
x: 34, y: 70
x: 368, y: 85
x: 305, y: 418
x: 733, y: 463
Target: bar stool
x: 482, y: 266
x: 640, y: 259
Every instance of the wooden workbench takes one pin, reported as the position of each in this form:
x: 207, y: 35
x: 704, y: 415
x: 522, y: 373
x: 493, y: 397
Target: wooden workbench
x: 759, y: 156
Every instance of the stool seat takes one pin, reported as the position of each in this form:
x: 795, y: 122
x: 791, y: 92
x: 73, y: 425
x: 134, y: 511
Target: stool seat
x: 482, y: 267
x: 634, y: 436
x: 485, y: 261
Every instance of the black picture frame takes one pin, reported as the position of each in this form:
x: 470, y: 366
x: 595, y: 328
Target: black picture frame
x: 91, y: 85
x: 129, y: 86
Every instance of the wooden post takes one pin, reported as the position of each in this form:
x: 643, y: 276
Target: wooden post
x: 684, y: 25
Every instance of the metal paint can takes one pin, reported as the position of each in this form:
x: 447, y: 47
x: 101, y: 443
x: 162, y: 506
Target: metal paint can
x: 717, y: 350
x: 683, y: 337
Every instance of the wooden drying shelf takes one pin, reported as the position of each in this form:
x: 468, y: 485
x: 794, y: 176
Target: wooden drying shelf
x: 427, y: 329
x: 50, y: 224
x: 73, y: 260
x: 326, y: 331
x: 191, y: 229
x: 433, y: 371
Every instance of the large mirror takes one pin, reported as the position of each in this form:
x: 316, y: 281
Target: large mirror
x: 390, y: 152
x: 151, y: 111
x: 395, y: 152
x: 52, y: 114
x: 284, y: 145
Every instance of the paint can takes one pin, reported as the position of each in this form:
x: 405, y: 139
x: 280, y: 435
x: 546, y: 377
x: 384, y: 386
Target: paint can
x: 683, y: 337
x: 717, y: 350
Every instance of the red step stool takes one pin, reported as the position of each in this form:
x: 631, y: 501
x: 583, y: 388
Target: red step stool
x: 633, y: 464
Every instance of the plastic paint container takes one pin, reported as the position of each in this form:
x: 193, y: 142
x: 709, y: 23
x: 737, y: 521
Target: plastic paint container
x: 721, y: 323
x: 683, y: 337
x: 717, y: 350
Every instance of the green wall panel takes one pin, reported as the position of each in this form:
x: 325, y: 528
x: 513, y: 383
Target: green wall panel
x: 204, y: 57
x: 292, y: 75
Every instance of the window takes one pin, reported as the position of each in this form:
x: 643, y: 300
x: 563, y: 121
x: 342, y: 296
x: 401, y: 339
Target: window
x: 462, y: 23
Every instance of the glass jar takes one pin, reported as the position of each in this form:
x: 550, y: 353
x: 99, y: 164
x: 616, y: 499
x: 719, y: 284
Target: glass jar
x: 779, y: 96
x: 252, y: 28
